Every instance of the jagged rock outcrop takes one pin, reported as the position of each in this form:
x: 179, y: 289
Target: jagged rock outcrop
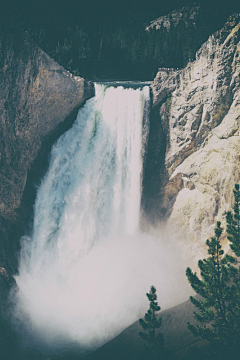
x: 186, y: 15
x: 199, y: 110
x: 178, y: 35
x: 36, y: 97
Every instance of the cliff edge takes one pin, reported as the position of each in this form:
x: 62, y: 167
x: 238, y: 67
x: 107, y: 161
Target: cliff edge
x: 199, y: 111
x: 37, y: 96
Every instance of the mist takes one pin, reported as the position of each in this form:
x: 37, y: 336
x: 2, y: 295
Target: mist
x: 91, y: 301
x: 85, y: 269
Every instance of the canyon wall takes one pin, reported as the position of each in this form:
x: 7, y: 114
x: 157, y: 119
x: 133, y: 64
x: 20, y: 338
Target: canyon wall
x: 198, y: 113
x: 38, y: 100
x: 193, y: 155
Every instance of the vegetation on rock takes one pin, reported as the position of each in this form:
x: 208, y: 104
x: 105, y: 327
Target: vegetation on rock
x: 218, y: 288
x: 233, y: 223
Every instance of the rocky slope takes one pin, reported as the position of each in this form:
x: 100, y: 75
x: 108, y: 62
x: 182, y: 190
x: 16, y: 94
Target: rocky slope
x: 38, y: 99
x: 198, y: 114
x: 179, y: 34
x: 187, y: 15
x: 177, y: 337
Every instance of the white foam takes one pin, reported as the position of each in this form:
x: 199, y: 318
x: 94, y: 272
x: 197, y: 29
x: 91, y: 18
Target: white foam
x: 85, y: 269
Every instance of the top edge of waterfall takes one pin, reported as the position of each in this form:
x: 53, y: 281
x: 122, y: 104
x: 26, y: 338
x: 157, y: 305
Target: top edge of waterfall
x: 125, y: 84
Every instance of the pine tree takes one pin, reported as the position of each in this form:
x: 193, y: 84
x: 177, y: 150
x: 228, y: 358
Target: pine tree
x: 150, y: 323
x: 233, y: 223
x: 219, y: 292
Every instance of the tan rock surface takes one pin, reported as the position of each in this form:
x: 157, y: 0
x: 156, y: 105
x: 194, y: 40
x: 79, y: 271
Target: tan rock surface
x: 36, y: 95
x: 201, y: 123
x: 38, y: 101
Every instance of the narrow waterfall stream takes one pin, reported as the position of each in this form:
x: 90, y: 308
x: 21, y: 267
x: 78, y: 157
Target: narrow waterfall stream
x: 85, y: 268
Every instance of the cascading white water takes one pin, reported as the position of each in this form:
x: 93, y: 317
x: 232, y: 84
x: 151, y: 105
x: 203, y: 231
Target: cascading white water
x: 93, y: 186
x: 85, y: 269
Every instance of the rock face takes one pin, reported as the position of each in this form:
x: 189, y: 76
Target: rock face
x: 186, y: 15
x: 38, y: 101
x: 199, y: 111
x: 36, y: 96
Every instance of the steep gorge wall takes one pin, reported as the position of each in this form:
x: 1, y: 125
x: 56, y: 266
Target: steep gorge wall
x: 38, y: 100
x: 199, y: 111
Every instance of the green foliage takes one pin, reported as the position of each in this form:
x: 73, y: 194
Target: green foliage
x: 168, y: 102
x: 233, y: 223
x: 150, y: 323
x: 218, y: 288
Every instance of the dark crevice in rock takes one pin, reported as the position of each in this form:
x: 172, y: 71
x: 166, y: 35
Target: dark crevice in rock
x: 169, y: 194
x: 159, y: 193
x: 154, y: 169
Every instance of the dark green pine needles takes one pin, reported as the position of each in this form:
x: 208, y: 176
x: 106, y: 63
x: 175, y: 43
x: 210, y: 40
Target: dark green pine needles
x: 219, y: 289
x: 150, y: 323
x: 233, y: 223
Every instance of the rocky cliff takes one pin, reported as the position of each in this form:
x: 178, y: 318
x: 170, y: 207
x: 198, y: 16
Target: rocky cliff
x: 188, y: 15
x: 197, y: 112
x: 38, y: 100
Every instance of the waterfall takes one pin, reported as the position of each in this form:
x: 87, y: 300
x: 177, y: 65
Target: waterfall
x: 93, y: 186
x: 83, y: 270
